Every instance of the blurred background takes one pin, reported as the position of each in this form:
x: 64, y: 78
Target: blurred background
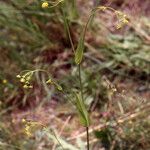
x: 115, y: 74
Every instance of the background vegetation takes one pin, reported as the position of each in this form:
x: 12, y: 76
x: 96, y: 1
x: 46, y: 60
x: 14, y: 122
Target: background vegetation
x: 115, y: 75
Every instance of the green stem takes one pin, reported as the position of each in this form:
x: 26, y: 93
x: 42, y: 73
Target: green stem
x: 87, y: 138
x: 79, y: 66
x: 66, y: 24
x: 81, y: 89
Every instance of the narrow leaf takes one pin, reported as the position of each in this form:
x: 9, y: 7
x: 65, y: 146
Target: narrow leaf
x: 82, y: 111
x: 79, y: 51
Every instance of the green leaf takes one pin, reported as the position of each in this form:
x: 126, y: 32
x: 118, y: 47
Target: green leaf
x: 79, y: 51
x: 82, y: 111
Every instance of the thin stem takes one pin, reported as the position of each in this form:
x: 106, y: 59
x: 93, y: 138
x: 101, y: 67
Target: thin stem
x: 81, y: 89
x: 87, y: 138
x: 69, y: 35
x: 80, y: 80
x: 86, y: 26
x: 79, y: 66
x: 68, y: 30
x: 55, y: 136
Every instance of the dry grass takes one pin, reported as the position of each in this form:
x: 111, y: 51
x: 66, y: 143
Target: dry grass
x: 114, y: 59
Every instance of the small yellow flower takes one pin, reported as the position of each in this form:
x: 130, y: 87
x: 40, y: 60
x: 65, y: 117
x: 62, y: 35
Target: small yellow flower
x: 31, y: 127
x: 30, y: 86
x: 125, y: 21
x: 45, y: 4
x: 49, y: 81
x: 22, y: 80
x: 5, y: 81
x: 25, y: 86
x: 23, y: 120
x: 28, y: 131
x: 118, y: 26
x: 18, y: 76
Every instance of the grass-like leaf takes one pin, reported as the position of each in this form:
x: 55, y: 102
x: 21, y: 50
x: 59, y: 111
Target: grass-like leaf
x: 79, y: 51
x: 83, y: 113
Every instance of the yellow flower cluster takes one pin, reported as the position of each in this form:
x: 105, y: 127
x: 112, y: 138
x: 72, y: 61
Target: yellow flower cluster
x: 31, y: 127
x: 52, y: 3
x: 26, y: 79
x: 122, y: 18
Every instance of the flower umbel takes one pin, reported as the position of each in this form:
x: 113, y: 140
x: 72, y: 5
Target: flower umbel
x: 26, y: 79
x: 31, y: 127
x: 121, y: 17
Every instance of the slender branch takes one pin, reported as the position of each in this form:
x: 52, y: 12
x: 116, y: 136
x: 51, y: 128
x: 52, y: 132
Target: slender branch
x: 68, y: 30
x: 87, y: 138
x: 87, y: 23
x: 69, y: 34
